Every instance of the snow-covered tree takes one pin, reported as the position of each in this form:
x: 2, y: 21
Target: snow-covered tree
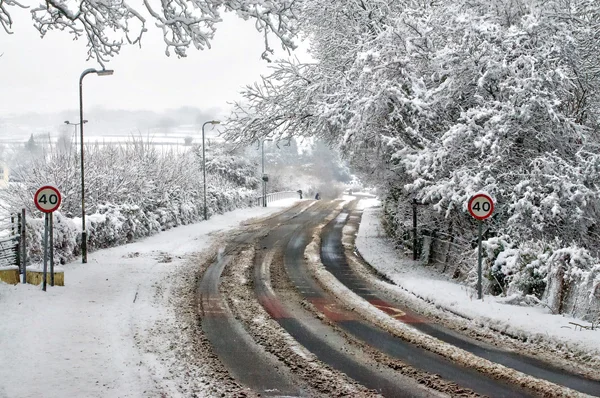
x: 438, y: 100
x: 107, y: 25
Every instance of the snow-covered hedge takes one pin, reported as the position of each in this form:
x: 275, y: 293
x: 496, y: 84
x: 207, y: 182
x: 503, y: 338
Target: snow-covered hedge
x: 573, y: 283
x: 509, y: 106
x: 567, y: 279
x: 132, y: 191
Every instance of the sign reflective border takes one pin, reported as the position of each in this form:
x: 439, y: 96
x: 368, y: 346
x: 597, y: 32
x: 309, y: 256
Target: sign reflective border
x: 47, y: 199
x: 481, y: 206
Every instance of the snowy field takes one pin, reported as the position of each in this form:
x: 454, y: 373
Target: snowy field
x: 537, y: 323
x: 173, y: 136
x: 80, y: 340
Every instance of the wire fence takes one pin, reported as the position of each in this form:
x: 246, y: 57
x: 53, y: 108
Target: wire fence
x: 10, y: 235
x: 272, y: 197
x: 447, y: 253
x: 436, y: 242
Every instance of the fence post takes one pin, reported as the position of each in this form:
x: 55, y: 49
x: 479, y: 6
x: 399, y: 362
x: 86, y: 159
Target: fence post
x: 18, y: 246
x: 24, y: 245
x: 414, y: 208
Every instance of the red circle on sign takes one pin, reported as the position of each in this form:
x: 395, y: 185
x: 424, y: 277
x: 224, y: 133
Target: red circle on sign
x: 47, y: 199
x: 481, y: 199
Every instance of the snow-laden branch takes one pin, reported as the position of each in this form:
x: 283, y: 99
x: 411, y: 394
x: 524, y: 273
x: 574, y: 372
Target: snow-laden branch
x: 108, y: 24
x: 5, y: 18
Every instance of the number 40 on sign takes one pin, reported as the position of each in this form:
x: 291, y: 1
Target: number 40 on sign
x: 481, y: 206
x: 47, y: 199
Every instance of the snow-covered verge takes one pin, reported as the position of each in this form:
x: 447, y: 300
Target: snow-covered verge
x: 532, y: 323
x: 115, y: 328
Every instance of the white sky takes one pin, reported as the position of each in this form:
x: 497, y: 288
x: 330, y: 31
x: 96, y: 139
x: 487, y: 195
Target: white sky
x: 42, y: 75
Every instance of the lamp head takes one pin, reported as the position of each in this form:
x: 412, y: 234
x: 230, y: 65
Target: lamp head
x: 105, y: 72
x: 67, y: 122
x: 215, y: 122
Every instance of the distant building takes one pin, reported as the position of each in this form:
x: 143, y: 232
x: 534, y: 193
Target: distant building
x: 3, y: 176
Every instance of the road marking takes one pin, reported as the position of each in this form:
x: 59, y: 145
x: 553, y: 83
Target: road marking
x: 331, y: 310
x: 391, y: 311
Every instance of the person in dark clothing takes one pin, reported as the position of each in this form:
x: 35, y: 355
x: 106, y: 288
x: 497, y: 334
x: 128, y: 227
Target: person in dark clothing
x: 317, y: 196
x: 300, y: 192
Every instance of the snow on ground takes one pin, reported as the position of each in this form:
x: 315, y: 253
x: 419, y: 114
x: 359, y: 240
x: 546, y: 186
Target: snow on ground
x: 79, y: 340
x: 536, y: 322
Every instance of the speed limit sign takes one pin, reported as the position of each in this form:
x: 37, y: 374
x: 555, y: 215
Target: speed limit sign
x: 47, y: 199
x: 481, y: 206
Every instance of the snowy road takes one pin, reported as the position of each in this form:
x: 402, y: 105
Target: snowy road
x: 301, y: 313
x: 247, y: 362
x: 308, y: 313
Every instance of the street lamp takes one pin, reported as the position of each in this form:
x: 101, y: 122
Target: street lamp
x: 264, y: 177
x: 103, y: 72
x: 213, y: 122
x: 74, y: 124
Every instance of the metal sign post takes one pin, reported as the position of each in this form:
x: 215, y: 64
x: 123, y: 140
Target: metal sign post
x: 44, y: 274
x: 481, y: 206
x: 414, y: 209
x: 51, y: 233
x: 24, y: 245
x: 479, y: 259
x: 47, y: 199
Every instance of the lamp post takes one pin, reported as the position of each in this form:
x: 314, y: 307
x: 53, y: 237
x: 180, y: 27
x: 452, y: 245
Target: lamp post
x: 213, y: 122
x: 74, y: 124
x: 103, y: 72
x: 264, y: 181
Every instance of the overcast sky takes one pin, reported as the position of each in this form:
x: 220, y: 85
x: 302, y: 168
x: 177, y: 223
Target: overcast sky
x: 42, y: 75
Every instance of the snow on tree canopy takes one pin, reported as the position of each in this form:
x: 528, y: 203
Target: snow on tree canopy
x: 437, y: 101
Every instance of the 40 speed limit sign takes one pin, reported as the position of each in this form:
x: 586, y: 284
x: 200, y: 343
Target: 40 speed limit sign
x: 481, y: 206
x: 47, y: 199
